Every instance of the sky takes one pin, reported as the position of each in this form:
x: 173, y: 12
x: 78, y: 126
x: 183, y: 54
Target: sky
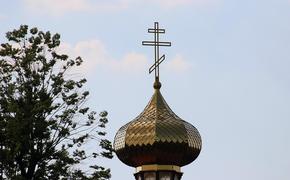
x: 227, y: 72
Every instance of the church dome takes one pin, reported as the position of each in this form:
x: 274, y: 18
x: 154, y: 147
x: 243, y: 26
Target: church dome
x: 157, y: 136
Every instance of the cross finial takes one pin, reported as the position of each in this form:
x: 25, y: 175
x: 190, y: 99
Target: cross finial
x: 156, y: 43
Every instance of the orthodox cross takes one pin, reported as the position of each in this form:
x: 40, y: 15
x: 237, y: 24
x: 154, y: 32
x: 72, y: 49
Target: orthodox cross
x: 156, y: 43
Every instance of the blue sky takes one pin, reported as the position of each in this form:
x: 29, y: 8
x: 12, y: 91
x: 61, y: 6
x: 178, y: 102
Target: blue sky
x: 227, y: 72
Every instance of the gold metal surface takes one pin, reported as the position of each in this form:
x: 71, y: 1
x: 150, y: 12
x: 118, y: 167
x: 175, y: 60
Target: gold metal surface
x: 157, y: 139
x: 157, y: 167
x: 157, y: 136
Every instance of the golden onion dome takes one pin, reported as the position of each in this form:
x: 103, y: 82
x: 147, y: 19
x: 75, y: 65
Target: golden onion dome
x: 157, y: 136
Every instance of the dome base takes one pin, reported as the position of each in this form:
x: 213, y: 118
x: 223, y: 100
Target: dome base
x: 158, y: 172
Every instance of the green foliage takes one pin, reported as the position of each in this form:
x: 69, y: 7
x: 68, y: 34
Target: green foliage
x: 44, y: 123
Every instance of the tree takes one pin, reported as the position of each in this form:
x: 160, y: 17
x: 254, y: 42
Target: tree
x: 44, y: 123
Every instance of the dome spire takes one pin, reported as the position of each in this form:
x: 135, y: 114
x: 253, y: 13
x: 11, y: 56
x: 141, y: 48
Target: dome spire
x: 157, y: 142
x: 157, y: 60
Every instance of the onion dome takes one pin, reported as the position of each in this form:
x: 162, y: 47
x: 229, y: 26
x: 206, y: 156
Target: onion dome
x: 157, y: 136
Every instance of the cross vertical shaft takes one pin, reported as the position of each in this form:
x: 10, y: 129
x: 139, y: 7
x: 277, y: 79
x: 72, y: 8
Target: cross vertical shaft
x: 156, y: 43
x: 155, y: 46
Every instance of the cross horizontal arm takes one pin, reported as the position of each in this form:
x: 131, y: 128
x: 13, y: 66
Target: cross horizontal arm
x: 152, y: 43
x: 156, y: 30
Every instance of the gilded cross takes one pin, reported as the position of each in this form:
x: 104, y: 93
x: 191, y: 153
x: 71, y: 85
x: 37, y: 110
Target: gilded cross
x: 156, y: 43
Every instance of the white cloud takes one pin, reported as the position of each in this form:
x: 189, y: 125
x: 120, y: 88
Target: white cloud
x: 178, y: 64
x: 60, y: 7
x: 93, y: 53
x: 96, y: 57
x: 57, y: 7
x: 131, y: 62
x: 2, y: 17
x: 174, y: 3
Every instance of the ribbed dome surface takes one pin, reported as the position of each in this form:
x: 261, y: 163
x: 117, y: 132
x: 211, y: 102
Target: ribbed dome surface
x: 157, y: 136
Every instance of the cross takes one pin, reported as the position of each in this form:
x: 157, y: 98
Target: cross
x: 156, y: 43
